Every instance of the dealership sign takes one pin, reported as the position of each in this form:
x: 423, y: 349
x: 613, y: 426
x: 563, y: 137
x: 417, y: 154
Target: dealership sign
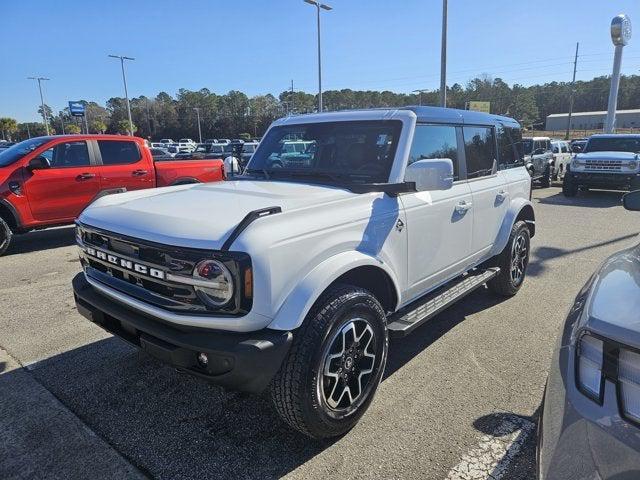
x: 479, y: 106
x: 76, y: 109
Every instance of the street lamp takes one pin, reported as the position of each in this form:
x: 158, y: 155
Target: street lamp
x: 420, y: 92
x: 199, y: 129
x: 319, y: 6
x: 126, y: 94
x: 44, y: 111
x: 620, y: 36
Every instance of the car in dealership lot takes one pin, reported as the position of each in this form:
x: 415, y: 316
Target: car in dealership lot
x: 577, y: 144
x: 589, y: 427
x: 608, y: 161
x: 167, y: 141
x: 47, y: 181
x: 160, y: 154
x: 293, y: 278
x: 539, y: 159
x: 561, y: 158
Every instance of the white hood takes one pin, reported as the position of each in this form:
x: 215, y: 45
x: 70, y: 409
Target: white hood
x: 623, y: 156
x: 200, y: 215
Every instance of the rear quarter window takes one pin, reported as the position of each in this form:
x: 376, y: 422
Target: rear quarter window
x: 119, y: 152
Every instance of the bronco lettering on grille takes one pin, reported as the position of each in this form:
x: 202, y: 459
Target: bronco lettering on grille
x: 124, y: 263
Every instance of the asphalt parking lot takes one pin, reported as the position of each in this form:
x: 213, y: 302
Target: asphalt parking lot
x: 460, y: 397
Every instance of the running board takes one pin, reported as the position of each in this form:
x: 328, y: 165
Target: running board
x: 418, y: 312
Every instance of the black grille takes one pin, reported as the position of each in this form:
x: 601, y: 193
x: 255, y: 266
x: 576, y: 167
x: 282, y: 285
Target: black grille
x: 172, y: 296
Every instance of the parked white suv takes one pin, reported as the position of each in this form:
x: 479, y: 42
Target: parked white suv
x: 294, y: 277
x: 561, y: 158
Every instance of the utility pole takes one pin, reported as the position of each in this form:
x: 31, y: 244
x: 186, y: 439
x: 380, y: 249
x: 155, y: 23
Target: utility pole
x: 292, y: 100
x: 199, y: 129
x: 44, y: 111
x: 620, y: 36
x: 126, y: 94
x: 443, y: 57
x: 319, y: 6
x: 573, y: 91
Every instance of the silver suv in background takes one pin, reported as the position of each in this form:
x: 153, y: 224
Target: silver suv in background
x: 538, y: 158
x: 608, y: 161
x: 561, y: 158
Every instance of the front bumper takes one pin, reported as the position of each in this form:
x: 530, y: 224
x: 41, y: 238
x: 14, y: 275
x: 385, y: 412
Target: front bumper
x: 604, y: 180
x: 238, y: 361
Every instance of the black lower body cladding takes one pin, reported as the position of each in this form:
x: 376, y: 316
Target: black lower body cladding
x: 615, y: 181
x: 238, y: 361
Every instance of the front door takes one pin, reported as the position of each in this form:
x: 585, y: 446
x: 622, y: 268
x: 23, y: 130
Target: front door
x: 439, y: 223
x: 60, y: 193
x: 488, y: 187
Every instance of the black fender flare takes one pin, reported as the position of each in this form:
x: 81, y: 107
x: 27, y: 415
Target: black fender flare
x: 17, y: 221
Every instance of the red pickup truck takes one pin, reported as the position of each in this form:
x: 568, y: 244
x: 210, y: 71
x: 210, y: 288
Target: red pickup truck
x: 48, y: 181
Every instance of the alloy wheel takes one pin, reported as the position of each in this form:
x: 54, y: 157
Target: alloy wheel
x: 348, y: 368
x: 519, y: 259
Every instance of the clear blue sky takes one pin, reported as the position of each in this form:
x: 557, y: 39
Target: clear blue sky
x: 258, y: 46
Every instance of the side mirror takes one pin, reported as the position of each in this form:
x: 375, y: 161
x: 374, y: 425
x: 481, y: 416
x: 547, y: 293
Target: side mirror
x: 631, y: 201
x: 38, y: 163
x: 431, y: 174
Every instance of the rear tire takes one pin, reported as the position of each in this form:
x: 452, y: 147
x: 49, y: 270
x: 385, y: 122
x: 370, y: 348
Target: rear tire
x: 335, y: 364
x: 5, y: 236
x: 569, y: 187
x: 513, y: 261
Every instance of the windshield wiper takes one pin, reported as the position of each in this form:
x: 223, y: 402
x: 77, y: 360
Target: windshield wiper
x: 305, y: 174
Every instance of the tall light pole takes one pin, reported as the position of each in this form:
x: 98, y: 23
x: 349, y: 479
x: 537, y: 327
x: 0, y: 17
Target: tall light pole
x: 420, y: 92
x: 44, y: 111
x: 443, y: 57
x: 620, y: 36
x: 126, y: 94
x: 199, y: 129
x: 319, y: 6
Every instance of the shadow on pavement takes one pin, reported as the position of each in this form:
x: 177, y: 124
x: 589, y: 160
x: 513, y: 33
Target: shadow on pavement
x: 590, y: 199
x: 41, y: 240
x: 541, y: 255
x: 174, y: 426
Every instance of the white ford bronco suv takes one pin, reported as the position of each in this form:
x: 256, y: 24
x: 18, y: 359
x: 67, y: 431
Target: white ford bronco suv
x: 293, y: 275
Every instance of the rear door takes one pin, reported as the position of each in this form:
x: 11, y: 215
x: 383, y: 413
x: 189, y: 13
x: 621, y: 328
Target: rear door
x: 487, y: 184
x: 124, y: 166
x: 60, y: 193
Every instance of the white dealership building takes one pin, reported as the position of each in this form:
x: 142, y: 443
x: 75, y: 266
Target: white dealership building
x: 592, y: 120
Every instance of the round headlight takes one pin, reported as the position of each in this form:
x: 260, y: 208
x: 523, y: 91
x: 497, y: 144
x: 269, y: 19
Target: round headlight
x: 576, y: 163
x: 632, y: 165
x: 218, y: 280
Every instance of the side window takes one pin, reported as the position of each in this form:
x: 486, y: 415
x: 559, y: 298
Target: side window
x: 118, y: 152
x: 68, y: 154
x: 509, y: 147
x: 435, y: 141
x: 547, y: 145
x: 555, y: 148
x: 479, y: 146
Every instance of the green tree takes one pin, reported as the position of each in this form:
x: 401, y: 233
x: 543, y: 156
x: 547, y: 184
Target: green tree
x: 72, y: 129
x: 9, y: 126
x: 98, y: 126
x: 123, y: 127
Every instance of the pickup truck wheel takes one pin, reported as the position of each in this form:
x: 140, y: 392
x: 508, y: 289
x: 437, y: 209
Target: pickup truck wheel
x: 5, y: 236
x: 545, y: 180
x: 513, y: 261
x: 335, y: 364
x: 569, y: 187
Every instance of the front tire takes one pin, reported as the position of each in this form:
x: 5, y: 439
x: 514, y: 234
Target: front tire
x: 5, y: 236
x: 569, y: 187
x: 335, y: 364
x: 545, y: 181
x: 513, y: 261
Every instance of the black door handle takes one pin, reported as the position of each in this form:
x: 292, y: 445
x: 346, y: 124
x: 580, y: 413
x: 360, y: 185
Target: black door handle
x: 139, y: 173
x: 85, y: 176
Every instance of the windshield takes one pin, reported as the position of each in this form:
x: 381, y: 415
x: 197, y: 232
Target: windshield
x: 527, y: 144
x: 353, y: 152
x: 613, y: 144
x: 19, y: 150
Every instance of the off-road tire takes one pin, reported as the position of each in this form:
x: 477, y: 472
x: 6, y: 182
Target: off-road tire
x: 545, y: 180
x: 296, y: 388
x: 569, y: 187
x: 504, y: 283
x: 5, y: 236
x: 635, y: 184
